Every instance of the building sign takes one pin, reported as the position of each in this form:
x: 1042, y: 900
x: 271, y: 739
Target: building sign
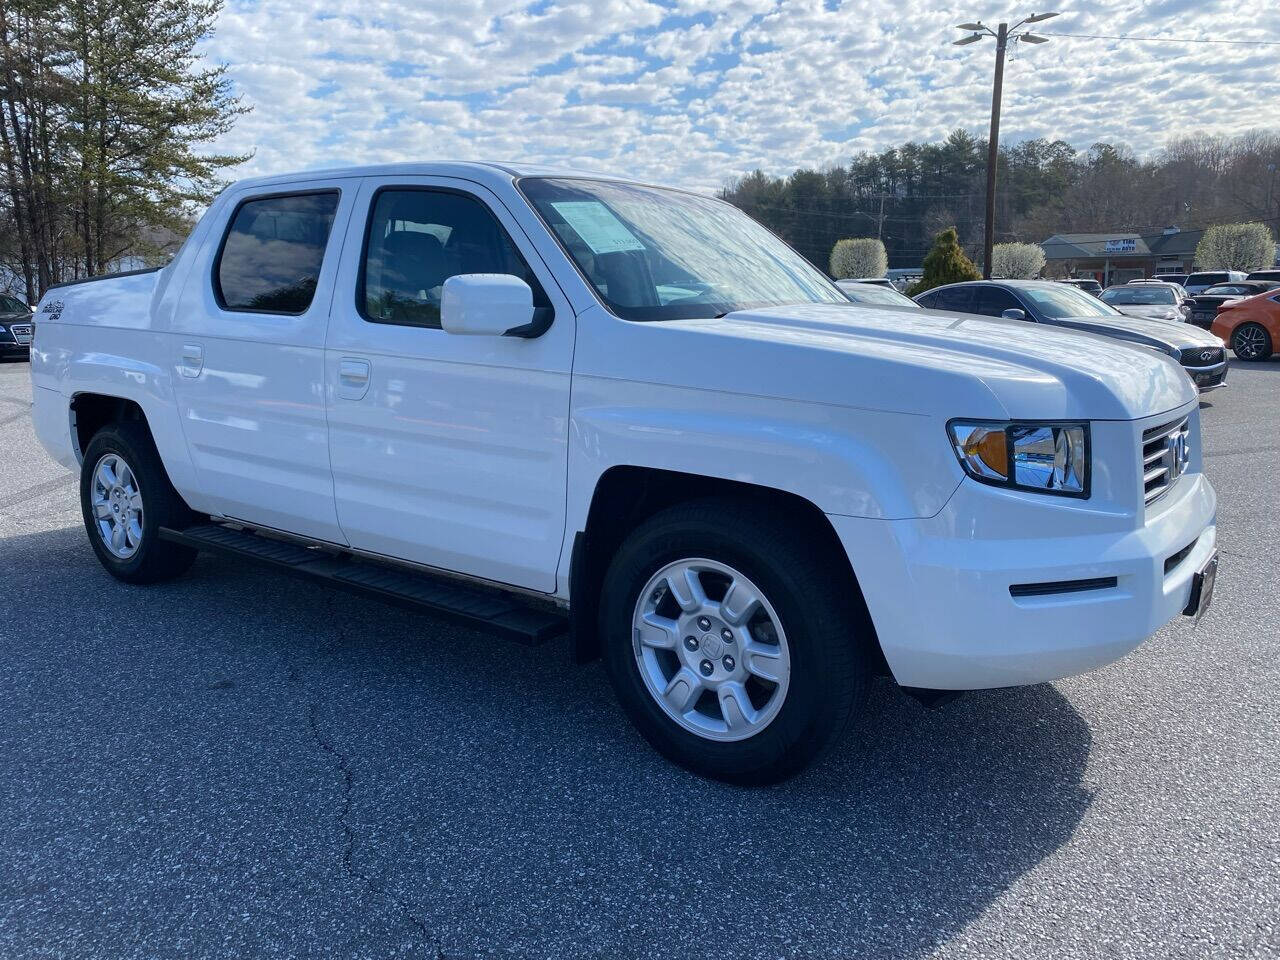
x: 1127, y: 245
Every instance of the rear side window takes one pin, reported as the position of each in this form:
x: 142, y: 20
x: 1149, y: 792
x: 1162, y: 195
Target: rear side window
x: 949, y: 298
x: 416, y: 240
x: 271, y: 255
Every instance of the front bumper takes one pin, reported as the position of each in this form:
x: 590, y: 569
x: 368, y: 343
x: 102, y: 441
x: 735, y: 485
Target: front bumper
x: 938, y: 589
x: 1208, y: 378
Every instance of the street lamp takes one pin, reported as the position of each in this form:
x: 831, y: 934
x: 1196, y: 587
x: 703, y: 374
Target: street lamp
x: 1002, y: 34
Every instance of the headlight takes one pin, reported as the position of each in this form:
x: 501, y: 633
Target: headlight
x: 1044, y: 457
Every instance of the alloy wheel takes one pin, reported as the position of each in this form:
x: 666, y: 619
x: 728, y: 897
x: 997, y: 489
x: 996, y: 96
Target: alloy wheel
x: 711, y: 649
x: 1249, y: 342
x: 116, y: 500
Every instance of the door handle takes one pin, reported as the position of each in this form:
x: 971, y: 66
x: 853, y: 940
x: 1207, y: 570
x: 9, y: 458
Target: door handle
x: 192, y: 360
x: 353, y: 378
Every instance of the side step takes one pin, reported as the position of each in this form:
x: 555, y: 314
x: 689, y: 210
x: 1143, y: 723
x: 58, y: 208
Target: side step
x: 504, y: 613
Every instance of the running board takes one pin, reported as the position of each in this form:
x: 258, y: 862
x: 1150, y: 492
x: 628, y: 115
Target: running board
x: 492, y: 609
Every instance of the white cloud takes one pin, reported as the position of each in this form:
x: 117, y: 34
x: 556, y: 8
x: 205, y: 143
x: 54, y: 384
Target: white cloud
x: 695, y: 92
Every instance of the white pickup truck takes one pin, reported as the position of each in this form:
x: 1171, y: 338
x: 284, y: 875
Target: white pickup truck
x: 544, y: 401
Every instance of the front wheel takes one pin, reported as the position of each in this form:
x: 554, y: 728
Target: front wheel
x: 733, y: 643
x: 125, y: 498
x: 1250, y: 341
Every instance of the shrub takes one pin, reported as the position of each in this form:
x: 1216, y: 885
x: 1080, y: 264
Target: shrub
x: 1017, y: 261
x: 945, y: 263
x: 861, y: 257
x: 1235, y: 246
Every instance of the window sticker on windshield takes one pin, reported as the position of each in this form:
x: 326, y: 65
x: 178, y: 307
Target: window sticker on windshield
x: 597, y: 226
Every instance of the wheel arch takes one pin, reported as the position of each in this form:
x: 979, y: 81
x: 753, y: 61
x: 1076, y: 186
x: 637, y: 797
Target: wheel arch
x: 90, y: 412
x: 626, y: 495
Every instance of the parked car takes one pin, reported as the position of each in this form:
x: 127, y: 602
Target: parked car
x: 1200, y: 282
x: 1251, y: 326
x: 15, y: 327
x: 1269, y: 274
x: 1086, y: 285
x: 635, y: 414
x: 874, y: 293
x: 1155, y: 301
x: 1178, y: 288
x: 1179, y: 278
x: 1052, y: 304
x: 1204, y: 306
x: 871, y: 281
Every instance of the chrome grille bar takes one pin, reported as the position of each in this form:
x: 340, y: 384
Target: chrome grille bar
x: 1164, y: 457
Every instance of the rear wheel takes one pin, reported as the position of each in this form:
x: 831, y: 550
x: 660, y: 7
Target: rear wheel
x: 733, y: 643
x: 1250, y: 341
x: 125, y: 498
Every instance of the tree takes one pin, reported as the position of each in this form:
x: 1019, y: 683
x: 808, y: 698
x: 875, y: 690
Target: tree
x: 946, y: 263
x: 1235, y: 246
x: 1017, y: 261
x: 103, y: 104
x: 859, y: 257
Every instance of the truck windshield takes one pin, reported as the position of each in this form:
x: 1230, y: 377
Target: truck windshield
x: 655, y: 254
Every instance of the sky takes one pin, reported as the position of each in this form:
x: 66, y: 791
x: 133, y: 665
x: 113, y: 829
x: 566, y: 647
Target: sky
x: 694, y: 93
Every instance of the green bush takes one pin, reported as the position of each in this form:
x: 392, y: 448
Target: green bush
x: 945, y: 263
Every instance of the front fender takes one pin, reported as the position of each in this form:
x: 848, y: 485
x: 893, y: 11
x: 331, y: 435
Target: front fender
x: 852, y: 462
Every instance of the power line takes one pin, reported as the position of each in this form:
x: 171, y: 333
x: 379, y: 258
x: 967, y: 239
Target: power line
x: 1098, y: 36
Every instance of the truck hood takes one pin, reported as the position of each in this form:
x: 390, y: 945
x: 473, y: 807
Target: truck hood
x: 927, y: 362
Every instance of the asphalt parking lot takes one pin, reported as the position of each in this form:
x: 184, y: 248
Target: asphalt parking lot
x: 238, y: 764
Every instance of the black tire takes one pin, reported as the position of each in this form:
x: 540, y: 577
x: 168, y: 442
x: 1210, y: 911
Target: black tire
x: 154, y: 559
x: 1251, y: 342
x: 820, y: 611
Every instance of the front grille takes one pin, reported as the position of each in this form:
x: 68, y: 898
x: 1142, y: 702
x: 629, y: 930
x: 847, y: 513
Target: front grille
x: 1203, y: 356
x: 21, y: 332
x: 1166, y: 450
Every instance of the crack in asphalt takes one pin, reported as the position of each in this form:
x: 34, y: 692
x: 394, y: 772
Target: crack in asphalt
x: 340, y: 761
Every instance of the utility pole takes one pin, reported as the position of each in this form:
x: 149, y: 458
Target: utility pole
x: 993, y: 150
x: 1002, y: 34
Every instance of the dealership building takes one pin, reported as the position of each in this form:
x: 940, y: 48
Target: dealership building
x: 1120, y: 257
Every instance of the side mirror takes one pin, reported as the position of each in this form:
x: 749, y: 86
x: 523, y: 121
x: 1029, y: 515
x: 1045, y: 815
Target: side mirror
x: 1013, y: 313
x: 487, y: 304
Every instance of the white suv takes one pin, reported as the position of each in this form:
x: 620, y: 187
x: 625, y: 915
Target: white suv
x: 542, y: 401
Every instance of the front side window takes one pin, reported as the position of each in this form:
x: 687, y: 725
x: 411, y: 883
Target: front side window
x: 271, y: 256
x: 994, y: 301
x: 655, y: 254
x: 418, y: 239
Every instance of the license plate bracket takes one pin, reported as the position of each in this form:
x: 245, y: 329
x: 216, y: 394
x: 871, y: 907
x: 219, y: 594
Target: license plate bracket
x: 1202, y: 584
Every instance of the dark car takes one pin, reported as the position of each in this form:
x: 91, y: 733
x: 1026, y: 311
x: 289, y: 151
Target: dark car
x: 1204, y: 306
x: 1269, y: 274
x: 15, y: 327
x: 1201, y: 354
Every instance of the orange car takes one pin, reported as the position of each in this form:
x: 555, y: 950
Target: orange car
x: 1251, y: 327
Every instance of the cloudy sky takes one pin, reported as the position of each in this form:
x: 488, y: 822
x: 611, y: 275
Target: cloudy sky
x: 695, y: 92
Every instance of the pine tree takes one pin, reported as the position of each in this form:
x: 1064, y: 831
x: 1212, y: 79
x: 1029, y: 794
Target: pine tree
x: 107, y: 153
x: 945, y: 263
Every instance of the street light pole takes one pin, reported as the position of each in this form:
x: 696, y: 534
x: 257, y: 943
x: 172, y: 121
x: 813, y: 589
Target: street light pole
x: 993, y: 149
x: 1002, y: 35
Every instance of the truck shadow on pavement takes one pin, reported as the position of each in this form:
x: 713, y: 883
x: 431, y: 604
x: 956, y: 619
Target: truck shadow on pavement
x: 287, y: 762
